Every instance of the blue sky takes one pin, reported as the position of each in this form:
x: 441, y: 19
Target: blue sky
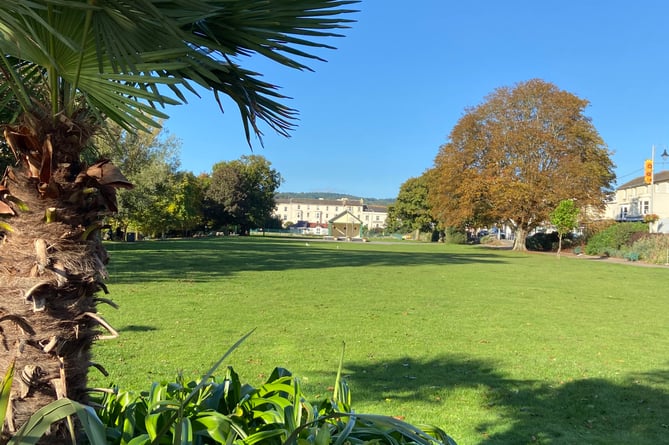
x: 376, y: 113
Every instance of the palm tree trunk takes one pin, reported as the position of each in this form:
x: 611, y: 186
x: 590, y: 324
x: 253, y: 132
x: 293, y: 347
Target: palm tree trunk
x: 52, y: 264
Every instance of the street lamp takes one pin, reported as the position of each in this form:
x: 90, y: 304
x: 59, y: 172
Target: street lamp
x: 664, y: 156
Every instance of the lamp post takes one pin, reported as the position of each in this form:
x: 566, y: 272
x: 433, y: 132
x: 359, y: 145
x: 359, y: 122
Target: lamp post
x: 664, y: 156
x: 652, y: 180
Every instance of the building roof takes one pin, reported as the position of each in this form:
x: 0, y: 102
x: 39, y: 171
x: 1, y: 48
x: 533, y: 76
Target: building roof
x: 375, y: 208
x: 321, y: 202
x: 343, y: 202
x: 662, y: 176
x: 350, y: 218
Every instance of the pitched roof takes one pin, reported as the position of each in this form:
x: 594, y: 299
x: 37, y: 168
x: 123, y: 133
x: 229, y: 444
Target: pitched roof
x: 319, y: 202
x: 351, y: 218
x: 662, y: 176
x: 375, y: 208
x: 334, y: 202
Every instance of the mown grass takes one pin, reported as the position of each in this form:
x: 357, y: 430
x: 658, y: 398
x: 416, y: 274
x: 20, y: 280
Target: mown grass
x: 495, y: 347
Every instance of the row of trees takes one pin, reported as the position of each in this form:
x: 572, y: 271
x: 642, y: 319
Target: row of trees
x: 511, y: 160
x: 237, y: 195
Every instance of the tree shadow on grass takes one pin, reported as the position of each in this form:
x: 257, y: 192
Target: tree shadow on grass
x: 585, y: 411
x: 203, y: 259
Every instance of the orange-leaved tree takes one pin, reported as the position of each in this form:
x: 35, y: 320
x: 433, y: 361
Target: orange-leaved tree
x: 68, y: 66
x: 514, y: 157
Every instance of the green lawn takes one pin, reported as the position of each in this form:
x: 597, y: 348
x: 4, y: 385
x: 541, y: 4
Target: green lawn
x: 493, y: 346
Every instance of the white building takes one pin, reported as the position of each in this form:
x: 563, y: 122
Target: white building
x: 320, y: 211
x: 635, y: 199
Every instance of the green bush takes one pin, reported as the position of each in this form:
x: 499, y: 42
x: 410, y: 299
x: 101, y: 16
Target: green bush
x: 548, y: 242
x: 614, y: 238
x: 542, y: 242
x: 592, y: 228
x: 455, y: 236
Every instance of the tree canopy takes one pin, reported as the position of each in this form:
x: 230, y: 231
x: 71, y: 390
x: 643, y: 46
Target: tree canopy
x: 411, y: 210
x: 241, y: 192
x: 564, y: 218
x: 514, y: 157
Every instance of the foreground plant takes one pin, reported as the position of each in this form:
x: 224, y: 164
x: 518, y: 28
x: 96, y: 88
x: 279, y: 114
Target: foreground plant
x: 66, y: 67
x: 225, y: 412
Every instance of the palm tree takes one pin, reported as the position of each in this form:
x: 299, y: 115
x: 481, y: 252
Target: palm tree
x: 67, y: 67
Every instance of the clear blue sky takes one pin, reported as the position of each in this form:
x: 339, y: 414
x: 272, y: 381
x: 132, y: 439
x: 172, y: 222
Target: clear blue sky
x: 377, y: 112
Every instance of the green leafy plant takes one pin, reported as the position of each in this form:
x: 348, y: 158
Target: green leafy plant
x: 44, y: 418
x: 226, y: 412
x: 613, y: 239
x: 208, y: 411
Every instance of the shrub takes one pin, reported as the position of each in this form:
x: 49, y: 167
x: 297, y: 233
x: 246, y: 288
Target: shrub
x: 652, y: 247
x: 542, y: 242
x: 455, y: 236
x: 548, y: 242
x: 613, y: 239
x: 592, y: 228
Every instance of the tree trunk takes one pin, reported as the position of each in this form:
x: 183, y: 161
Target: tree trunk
x: 519, y: 239
x: 52, y: 264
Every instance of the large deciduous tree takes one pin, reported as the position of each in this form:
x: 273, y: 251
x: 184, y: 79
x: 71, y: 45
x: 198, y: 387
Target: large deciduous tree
x: 66, y: 66
x: 244, y: 191
x: 513, y: 158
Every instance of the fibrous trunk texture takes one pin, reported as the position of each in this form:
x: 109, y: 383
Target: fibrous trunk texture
x: 49, y: 275
x: 52, y: 265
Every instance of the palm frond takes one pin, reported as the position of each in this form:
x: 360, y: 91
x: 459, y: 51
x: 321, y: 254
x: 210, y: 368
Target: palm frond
x: 117, y: 55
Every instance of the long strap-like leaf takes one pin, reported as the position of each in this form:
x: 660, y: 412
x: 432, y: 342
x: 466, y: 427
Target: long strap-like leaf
x: 40, y: 422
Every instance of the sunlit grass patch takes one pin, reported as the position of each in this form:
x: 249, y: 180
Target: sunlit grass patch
x: 492, y: 345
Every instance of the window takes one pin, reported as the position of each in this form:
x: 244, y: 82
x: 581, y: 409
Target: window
x: 645, y: 205
x: 285, y: 208
x: 623, y: 212
x: 298, y: 207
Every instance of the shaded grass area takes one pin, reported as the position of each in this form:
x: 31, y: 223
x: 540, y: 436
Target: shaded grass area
x: 494, y: 346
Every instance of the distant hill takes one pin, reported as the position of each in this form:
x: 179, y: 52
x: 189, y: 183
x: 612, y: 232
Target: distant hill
x: 328, y: 195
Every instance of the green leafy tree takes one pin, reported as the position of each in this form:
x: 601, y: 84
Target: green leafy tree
x: 244, y: 191
x: 150, y: 162
x: 513, y: 158
x: 185, y: 206
x: 68, y: 65
x: 411, y: 211
x: 564, y: 218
